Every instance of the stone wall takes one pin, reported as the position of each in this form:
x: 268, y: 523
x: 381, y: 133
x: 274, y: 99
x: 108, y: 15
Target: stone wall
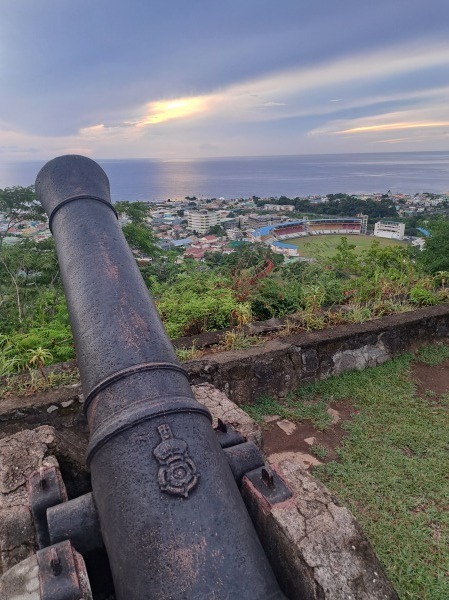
x: 279, y: 366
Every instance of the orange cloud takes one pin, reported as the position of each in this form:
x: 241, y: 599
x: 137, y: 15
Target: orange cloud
x: 394, y: 126
x: 166, y: 110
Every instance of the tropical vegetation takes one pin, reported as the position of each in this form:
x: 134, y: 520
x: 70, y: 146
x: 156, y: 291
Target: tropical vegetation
x: 225, y: 290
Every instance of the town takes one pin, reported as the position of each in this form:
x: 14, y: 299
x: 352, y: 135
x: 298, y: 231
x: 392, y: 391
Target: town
x: 197, y: 226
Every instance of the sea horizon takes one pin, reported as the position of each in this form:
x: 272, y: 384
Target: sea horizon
x: 157, y: 179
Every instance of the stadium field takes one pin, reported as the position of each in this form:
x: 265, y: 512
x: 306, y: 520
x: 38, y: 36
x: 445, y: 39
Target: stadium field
x: 326, y: 245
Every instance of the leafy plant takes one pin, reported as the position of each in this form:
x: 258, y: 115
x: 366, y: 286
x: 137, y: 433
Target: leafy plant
x: 422, y: 296
x: 319, y: 451
x: 238, y: 340
x: 38, y: 358
x: 185, y: 354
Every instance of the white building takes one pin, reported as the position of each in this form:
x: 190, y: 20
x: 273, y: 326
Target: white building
x: 389, y: 229
x: 201, y: 220
x: 280, y: 207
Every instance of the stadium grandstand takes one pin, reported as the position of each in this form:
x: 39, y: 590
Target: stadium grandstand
x: 305, y: 227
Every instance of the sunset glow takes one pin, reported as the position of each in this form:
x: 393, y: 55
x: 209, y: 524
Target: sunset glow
x: 166, y: 110
x: 394, y: 126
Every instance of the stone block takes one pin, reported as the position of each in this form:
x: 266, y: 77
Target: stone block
x: 222, y: 408
x: 310, y: 361
x: 315, y: 546
x: 21, y: 582
x: 21, y: 454
x: 360, y: 358
x: 16, y: 535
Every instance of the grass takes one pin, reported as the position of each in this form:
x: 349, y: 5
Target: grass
x: 33, y: 382
x: 433, y: 354
x: 238, y: 340
x: 325, y: 245
x: 185, y: 354
x: 319, y: 451
x: 292, y: 409
x: 393, y: 467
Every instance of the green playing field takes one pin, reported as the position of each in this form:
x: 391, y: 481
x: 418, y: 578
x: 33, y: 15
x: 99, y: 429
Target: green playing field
x: 325, y: 245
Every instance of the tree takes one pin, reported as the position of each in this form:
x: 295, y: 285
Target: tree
x: 216, y: 230
x: 136, y: 211
x: 140, y: 238
x: 17, y: 205
x: 28, y: 270
x: 345, y: 258
x: 435, y: 255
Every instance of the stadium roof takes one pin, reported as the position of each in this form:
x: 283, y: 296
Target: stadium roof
x: 425, y: 232
x: 283, y: 245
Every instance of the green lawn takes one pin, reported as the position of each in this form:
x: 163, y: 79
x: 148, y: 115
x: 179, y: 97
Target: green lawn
x: 325, y: 245
x: 392, y: 468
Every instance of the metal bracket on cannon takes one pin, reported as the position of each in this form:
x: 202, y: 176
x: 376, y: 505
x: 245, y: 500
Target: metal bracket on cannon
x: 57, y: 519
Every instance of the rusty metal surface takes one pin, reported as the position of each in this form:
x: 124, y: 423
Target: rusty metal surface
x: 59, y: 577
x: 243, y: 458
x: 45, y: 488
x: 72, y: 199
x: 269, y: 484
x: 133, y: 370
x: 172, y: 518
x: 76, y: 521
x: 227, y: 435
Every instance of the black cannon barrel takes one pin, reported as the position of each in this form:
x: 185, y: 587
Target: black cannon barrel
x: 173, y: 521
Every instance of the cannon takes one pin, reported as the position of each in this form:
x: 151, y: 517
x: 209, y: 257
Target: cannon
x: 164, y: 492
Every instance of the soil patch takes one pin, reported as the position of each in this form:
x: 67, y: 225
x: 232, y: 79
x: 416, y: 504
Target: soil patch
x: 306, y: 435
x: 431, y: 380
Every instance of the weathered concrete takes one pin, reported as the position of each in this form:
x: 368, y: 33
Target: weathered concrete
x: 315, y: 546
x: 20, y: 455
x: 279, y: 366
x: 222, y: 408
x: 21, y: 582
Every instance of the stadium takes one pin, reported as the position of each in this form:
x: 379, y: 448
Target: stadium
x: 276, y: 235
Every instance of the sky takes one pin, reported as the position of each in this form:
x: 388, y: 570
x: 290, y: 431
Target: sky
x: 176, y: 80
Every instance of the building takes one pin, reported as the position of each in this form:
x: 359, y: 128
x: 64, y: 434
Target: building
x: 283, y: 248
x: 389, y: 229
x: 279, y: 207
x: 256, y: 221
x: 201, y: 220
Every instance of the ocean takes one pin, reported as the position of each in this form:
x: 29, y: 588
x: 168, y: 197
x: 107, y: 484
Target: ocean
x: 242, y: 177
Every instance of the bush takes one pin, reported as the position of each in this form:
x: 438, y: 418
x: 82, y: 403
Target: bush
x: 422, y: 297
x: 195, y: 304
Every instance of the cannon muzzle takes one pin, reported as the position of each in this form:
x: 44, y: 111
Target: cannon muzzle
x: 172, y: 519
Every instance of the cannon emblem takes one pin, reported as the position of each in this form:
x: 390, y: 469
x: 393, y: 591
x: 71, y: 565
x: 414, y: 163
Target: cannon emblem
x: 177, y: 472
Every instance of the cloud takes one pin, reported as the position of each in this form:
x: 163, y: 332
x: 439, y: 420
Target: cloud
x: 270, y: 104
x: 178, y: 108
x: 394, y: 126
x: 358, y: 96
x: 297, y: 92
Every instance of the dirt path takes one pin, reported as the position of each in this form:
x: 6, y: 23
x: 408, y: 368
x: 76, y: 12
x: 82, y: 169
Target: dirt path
x: 309, y: 446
